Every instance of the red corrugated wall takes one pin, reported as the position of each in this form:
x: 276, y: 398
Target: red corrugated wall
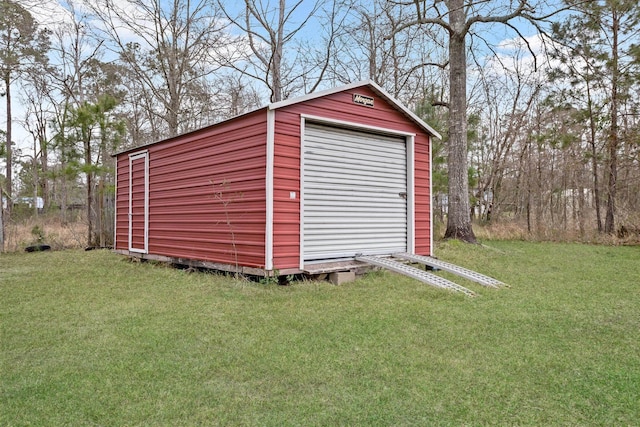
x: 338, y: 106
x: 207, y: 193
x: 122, y: 203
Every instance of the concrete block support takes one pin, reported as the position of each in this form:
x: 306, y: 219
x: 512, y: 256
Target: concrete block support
x: 340, y: 277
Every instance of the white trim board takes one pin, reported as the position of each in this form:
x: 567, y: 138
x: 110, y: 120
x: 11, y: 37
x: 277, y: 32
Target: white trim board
x: 375, y: 87
x: 132, y: 157
x: 409, y: 144
x: 268, y: 241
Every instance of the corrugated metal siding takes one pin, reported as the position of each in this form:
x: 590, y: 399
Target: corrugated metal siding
x: 207, y: 193
x: 122, y: 204
x: 422, y: 195
x: 286, y: 206
x: 352, y: 193
x: 338, y: 106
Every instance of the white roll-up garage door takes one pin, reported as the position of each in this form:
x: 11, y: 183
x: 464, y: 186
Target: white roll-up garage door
x: 355, y: 193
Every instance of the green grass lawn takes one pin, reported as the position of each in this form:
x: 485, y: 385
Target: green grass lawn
x: 89, y: 338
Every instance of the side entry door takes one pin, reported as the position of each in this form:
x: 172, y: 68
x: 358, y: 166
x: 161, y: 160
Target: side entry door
x: 139, y: 202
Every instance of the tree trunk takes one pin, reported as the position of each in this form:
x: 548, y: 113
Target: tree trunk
x: 173, y: 78
x: 44, y: 162
x: 35, y: 184
x: 458, y: 219
x: 63, y: 201
x: 581, y: 210
x: 609, y: 223
x: 87, y: 160
x: 1, y: 222
x: 9, y: 151
x: 540, y: 202
x: 278, y: 51
x: 594, y: 158
x: 100, y: 214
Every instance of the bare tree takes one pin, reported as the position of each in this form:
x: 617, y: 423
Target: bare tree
x: 458, y: 18
x: 37, y: 97
x: 72, y: 51
x: 503, y: 119
x: 23, y: 43
x: 171, y: 47
x: 405, y: 63
x: 269, y: 30
x: 574, y: 51
x: 239, y: 96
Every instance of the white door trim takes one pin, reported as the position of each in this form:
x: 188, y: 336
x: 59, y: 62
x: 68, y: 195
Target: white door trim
x: 132, y: 157
x: 409, y: 138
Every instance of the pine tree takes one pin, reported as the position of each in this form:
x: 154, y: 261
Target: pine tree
x: 88, y: 133
x: 596, y: 51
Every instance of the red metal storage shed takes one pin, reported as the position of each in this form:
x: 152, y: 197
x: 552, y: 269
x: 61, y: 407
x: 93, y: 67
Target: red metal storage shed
x: 315, y: 179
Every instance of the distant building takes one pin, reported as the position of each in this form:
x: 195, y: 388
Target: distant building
x: 26, y: 201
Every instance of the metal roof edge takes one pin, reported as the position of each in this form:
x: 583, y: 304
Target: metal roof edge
x: 376, y: 88
x: 319, y: 94
x: 142, y: 147
x: 404, y: 109
x: 310, y: 96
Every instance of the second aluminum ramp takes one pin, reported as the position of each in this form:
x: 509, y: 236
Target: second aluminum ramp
x: 451, y: 268
x: 416, y: 273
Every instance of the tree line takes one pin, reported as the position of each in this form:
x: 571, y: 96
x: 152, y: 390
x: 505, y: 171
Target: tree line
x: 537, y: 100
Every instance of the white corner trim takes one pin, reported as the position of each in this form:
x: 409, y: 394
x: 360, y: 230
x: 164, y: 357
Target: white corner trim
x: 430, y: 197
x: 268, y: 243
x: 301, y: 192
x: 411, y: 195
x: 115, y: 207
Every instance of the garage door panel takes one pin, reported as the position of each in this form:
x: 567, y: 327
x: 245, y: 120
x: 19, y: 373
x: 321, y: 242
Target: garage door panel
x: 376, y: 249
x: 385, y: 180
x: 361, y: 165
x: 349, y: 157
x: 353, y: 187
x: 371, y: 193
x: 352, y: 228
x: 336, y: 216
x: 334, y: 152
x: 363, y: 235
x: 357, y: 204
x: 362, y: 155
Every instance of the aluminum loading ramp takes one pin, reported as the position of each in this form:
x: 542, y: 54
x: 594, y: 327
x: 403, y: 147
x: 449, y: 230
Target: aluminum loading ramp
x: 416, y: 273
x: 451, y: 268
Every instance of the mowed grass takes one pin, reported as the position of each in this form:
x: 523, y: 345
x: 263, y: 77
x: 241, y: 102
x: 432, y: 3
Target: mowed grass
x: 89, y: 338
